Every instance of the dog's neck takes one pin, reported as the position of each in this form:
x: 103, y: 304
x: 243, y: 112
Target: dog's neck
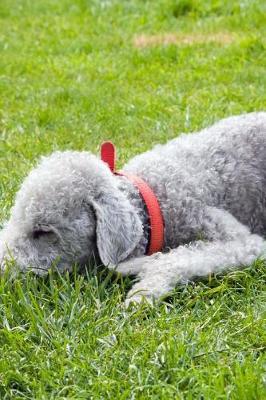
x: 136, y: 200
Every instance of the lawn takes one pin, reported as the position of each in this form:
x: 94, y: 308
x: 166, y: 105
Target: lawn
x: 138, y: 72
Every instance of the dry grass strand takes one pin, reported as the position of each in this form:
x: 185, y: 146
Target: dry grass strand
x: 223, y: 38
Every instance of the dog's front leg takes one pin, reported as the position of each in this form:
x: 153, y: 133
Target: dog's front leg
x: 229, y: 245
x: 160, y: 275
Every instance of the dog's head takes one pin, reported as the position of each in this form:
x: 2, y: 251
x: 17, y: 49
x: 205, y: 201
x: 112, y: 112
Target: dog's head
x: 69, y: 210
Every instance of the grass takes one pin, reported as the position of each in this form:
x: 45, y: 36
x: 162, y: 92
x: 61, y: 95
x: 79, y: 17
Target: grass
x: 72, y: 75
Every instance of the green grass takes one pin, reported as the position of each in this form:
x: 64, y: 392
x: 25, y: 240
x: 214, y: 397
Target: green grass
x: 71, y: 77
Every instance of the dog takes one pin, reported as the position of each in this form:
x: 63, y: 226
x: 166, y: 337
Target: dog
x: 210, y: 187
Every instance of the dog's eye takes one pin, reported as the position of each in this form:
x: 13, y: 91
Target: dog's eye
x: 38, y: 233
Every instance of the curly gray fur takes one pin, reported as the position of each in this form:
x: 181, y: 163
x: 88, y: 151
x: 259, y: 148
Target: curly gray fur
x: 211, y: 187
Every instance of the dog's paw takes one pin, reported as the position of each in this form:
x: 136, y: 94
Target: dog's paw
x: 138, y: 300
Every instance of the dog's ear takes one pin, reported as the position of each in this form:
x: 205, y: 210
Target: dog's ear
x: 118, y: 227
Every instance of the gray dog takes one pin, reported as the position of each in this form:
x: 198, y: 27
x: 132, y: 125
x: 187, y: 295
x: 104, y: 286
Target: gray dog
x: 211, y: 187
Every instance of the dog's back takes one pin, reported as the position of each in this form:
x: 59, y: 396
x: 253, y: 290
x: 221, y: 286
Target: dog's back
x: 223, y: 166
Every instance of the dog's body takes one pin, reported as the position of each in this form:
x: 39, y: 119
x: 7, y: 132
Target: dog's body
x: 211, y: 187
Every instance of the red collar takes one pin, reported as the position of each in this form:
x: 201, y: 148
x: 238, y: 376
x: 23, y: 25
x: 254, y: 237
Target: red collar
x: 153, y: 208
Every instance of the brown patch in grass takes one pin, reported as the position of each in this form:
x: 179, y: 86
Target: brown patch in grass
x: 165, y: 39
